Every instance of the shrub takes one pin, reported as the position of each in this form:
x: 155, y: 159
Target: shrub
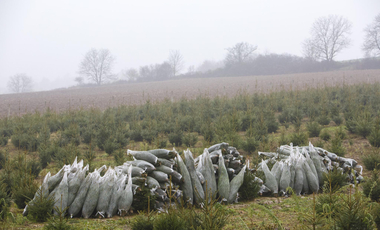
x: 7, y: 176
x: 319, y: 143
x: 323, y: 120
x: 44, y: 156
x: 2, y: 159
x: 283, y: 138
x: 290, y: 115
x: 16, y: 140
x: 136, y: 135
x: 374, y: 137
x: 25, y: 141
x: 59, y: 222
x: 4, y: 209
x: 341, y: 133
x: 329, y: 199
x: 247, y: 120
x: 121, y: 138
x: 89, y: 155
x: 325, y: 135
x: 71, y: 135
x: 33, y: 167
x: 249, y: 190
x: 299, y: 138
x: 168, y: 221
x: 314, y: 129
x: 375, y: 211
x: 40, y: 209
x: 52, y: 150
x: 6, y: 131
x: 140, y: 199
x: 233, y: 138
x: 101, y: 137
x: 142, y: 222
x: 271, y: 123
x: 87, y: 136
x: 66, y: 155
x: 3, y: 141
x: 190, y: 139
x: 297, y: 125
x: 148, y: 135
x: 371, y: 188
x: 352, y: 212
x: 250, y: 145
x: 334, y: 180
x: 371, y: 160
x: 363, y: 127
x: 44, y: 135
x: 351, y: 125
x: 337, y: 119
x: 212, y: 215
x: 161, y: 142
x: 119, y: 157
x: 187, y: 123
x: 4, y: 201
x: 175, y: 138
x: 337, y: 147
x: 110, y: 146
x: 24, y: 192
x: 208, y: 133
x: 283, y: 117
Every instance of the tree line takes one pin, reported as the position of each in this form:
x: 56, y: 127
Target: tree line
x: 329, y: 35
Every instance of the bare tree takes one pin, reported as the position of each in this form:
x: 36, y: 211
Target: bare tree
x: 371, y: 45
x: 191, y: 70
x: 239, y: 53
x: 97, y: 66
x: 176, y: 62
x: 20, y: 83
x: 329, y: 36
x: 309, y: 51
x: 131, y: 74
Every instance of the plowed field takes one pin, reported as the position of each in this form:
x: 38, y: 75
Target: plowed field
x: 136, y: 93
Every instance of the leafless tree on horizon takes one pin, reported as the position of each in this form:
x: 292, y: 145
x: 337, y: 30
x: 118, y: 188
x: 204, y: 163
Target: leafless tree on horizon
x: 309, y: 50
x: 239, y: 53
x: 20, y: 83
x: 131, y: 74
x: 176, y: 62
x: 329, y: 36
x: 97, y: 66
x: 371, y: 44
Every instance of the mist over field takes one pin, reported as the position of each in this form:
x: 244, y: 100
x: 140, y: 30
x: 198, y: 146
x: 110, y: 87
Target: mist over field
x: 47, y: 40
x: 189, y: 114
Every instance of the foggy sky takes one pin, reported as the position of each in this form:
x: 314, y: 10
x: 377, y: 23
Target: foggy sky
x: 48, y: 39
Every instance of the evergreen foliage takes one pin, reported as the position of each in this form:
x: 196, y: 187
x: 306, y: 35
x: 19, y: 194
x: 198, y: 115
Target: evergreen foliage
x: 371, y: 188
x: 314, y: 129
x: 250, y: 188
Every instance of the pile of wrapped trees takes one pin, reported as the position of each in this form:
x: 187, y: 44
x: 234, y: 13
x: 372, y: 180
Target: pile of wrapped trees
x: 219, y: 169
x: 302, y: 169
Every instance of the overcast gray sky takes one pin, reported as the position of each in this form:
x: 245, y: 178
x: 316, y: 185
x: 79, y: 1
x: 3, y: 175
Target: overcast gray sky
x: 47, y: 39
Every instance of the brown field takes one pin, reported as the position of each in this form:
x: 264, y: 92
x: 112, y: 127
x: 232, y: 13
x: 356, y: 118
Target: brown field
x: 136, y: 93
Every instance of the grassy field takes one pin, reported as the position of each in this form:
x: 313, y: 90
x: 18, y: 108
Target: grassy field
x: 244, y: 215
x: 42, y: 141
